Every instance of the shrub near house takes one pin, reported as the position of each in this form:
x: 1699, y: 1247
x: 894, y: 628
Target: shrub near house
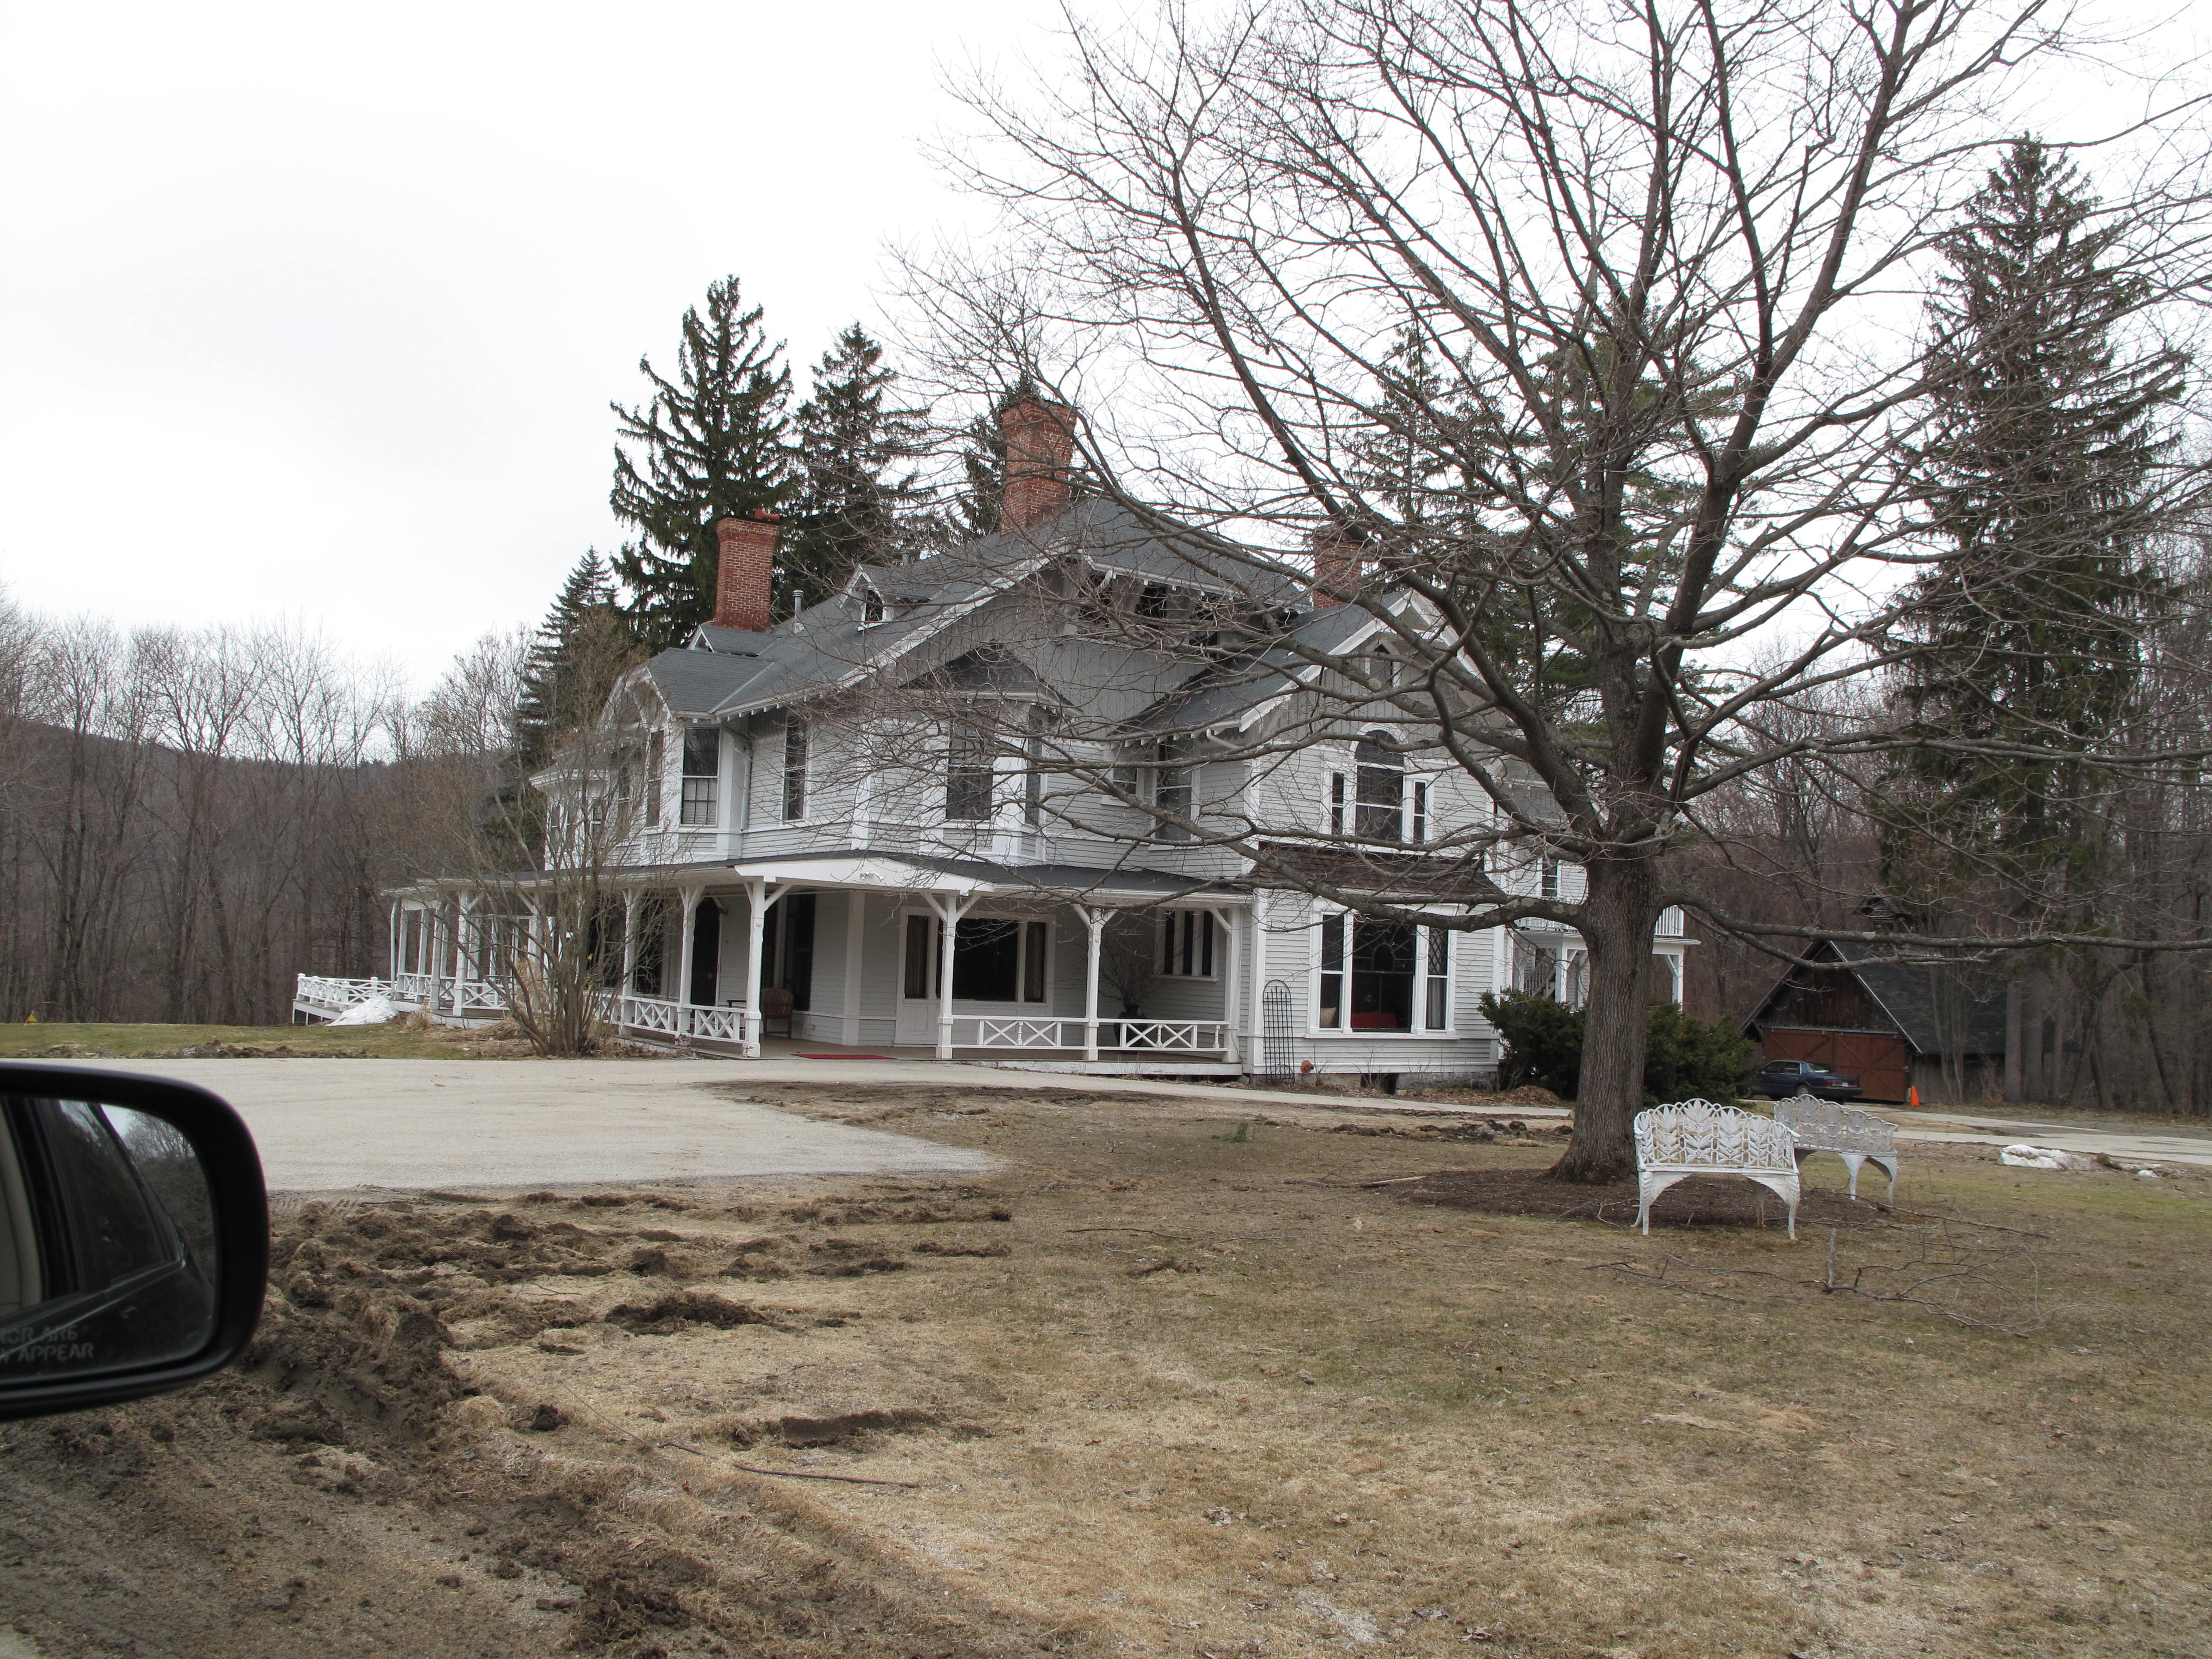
x: 1683, y: 1058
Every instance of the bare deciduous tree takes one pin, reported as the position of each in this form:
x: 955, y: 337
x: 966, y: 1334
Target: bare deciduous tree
x: 1591, y: 329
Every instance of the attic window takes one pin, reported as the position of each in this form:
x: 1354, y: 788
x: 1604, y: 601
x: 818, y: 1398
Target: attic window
x: 871, y: 607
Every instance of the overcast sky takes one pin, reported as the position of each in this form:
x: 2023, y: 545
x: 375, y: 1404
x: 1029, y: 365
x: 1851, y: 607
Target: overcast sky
x: 316, y: 310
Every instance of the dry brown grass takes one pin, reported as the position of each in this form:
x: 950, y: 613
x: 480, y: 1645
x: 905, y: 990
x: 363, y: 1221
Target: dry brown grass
x: 1238, y: 1401
x: 1205, y: 1396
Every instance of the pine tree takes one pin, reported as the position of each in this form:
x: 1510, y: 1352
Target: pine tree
x: 712, y: 442
x: 564, y: 679
x: 855, y: 504
x: 2046, y: 443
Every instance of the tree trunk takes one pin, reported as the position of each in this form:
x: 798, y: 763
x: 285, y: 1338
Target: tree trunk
x: 1616, y: 922
x: 2016, y: 1039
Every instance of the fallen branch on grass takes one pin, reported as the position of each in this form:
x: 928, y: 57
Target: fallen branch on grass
x: 804, y: 1474
x: 1964, y: 1221
x: 1149, y: 1232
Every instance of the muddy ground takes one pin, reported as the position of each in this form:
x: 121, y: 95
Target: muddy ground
x: 1175, y: 1383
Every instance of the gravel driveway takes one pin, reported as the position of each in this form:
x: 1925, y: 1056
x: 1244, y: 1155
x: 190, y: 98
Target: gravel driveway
x: 344, y: 1125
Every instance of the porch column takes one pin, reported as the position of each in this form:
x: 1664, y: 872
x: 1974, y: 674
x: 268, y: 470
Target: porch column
x: 433, y: 948
x: 1230, y: 992
x: 629, y: 942
x: 949, y: 912
x: 1094, y: 921
x: 1252, y: 1033
x: 856, y: 906
x: 465, y: 966
x: 755, y: 933
x: 393, y: 933
x: 687, y: 901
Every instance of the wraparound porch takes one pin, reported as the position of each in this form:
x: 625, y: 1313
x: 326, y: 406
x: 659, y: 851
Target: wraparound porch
x: 869, y: 951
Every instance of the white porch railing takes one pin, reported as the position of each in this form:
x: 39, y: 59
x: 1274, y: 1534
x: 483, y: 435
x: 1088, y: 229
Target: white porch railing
x: 1173, y: 1037
x: 324, y: 992
x: 682, y: 1020
x: 463, y: 999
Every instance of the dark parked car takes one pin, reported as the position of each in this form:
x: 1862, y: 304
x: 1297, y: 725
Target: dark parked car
x: 1780, y: 1079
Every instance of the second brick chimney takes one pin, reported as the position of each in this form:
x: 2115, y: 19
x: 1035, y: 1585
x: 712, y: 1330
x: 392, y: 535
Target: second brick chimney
x: 744, y: 586
x: 1040, y: 437
x: 1339, y: 553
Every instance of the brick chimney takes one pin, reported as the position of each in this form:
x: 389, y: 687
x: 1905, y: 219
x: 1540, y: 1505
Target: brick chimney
x: 744, y: 586
x: 1039, y: 439
x: 1340, y: 552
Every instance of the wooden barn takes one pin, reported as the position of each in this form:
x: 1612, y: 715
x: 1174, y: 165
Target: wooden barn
x: 1938, y: 1027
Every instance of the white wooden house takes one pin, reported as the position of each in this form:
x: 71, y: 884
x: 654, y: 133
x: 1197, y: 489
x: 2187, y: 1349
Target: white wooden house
x: 930, y: 811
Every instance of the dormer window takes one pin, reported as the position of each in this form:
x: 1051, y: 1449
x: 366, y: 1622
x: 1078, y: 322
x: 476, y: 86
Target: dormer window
x: 871, y: 607
x: 1383, y: 668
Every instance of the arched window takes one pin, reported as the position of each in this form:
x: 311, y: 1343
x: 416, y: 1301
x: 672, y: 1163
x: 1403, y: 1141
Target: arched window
x: 1381, y: 785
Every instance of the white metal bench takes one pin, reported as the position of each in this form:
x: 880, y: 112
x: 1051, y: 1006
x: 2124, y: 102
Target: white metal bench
x: 1858, y: 1138
x: 1697, y: 1138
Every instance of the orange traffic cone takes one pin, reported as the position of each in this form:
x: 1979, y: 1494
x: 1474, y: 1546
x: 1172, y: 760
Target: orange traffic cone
x: 1912, y: 1098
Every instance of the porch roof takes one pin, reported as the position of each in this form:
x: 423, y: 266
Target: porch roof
x: 877, y: 869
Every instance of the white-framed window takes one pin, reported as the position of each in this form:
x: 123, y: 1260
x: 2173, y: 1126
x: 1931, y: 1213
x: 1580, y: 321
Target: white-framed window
x: 1383, y: 668
x: 703, y: 774
x: 1042, y: 718
x: 1367, y: 974
x: 1336, y: 801
x: 1436, y: 979
x: 994, y: 959
x: 1548, y: 878
x: 1418, y: 808
x: 1186, y: 944
x: 969, y: 762
x: 1171, y: 794
x: 872, y: 606
x: 656, y: 762
x: 795, y: 768
x: 1379, y: 772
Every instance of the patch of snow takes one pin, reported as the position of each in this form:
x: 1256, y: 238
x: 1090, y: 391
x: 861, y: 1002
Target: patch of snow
x: 370, y: 1011
x: 2022, y: 1156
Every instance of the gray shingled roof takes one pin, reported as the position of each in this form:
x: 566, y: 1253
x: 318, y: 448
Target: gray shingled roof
x: 1224, y: 692
x: 1943, y: 1007
x: 1939, y: 1007
x: 725, y: 671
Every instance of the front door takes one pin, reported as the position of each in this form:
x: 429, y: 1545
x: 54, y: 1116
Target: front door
x: 706, y: 952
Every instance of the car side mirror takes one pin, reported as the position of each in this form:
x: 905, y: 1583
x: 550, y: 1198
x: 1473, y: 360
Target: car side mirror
x: 134, y: 1237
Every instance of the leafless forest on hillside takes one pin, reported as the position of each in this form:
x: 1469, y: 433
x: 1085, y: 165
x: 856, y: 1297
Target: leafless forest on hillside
x: 189, y: 819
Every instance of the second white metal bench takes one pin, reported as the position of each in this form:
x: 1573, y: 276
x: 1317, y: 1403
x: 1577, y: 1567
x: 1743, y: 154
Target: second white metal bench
x: 1698, y: 1138
x: 1858, y: 1138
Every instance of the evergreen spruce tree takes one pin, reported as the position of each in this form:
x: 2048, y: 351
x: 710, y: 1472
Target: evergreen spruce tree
x: 856, y: 504
x: 2047, y: 444
x: 975, y: 503
x: 564, y: 681
x: 712, y: 442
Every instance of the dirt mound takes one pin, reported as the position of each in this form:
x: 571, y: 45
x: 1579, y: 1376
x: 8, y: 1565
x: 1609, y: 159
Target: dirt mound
x: 850, y: 1425
x: 1700, y: 1201
x: 669, y: 1314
